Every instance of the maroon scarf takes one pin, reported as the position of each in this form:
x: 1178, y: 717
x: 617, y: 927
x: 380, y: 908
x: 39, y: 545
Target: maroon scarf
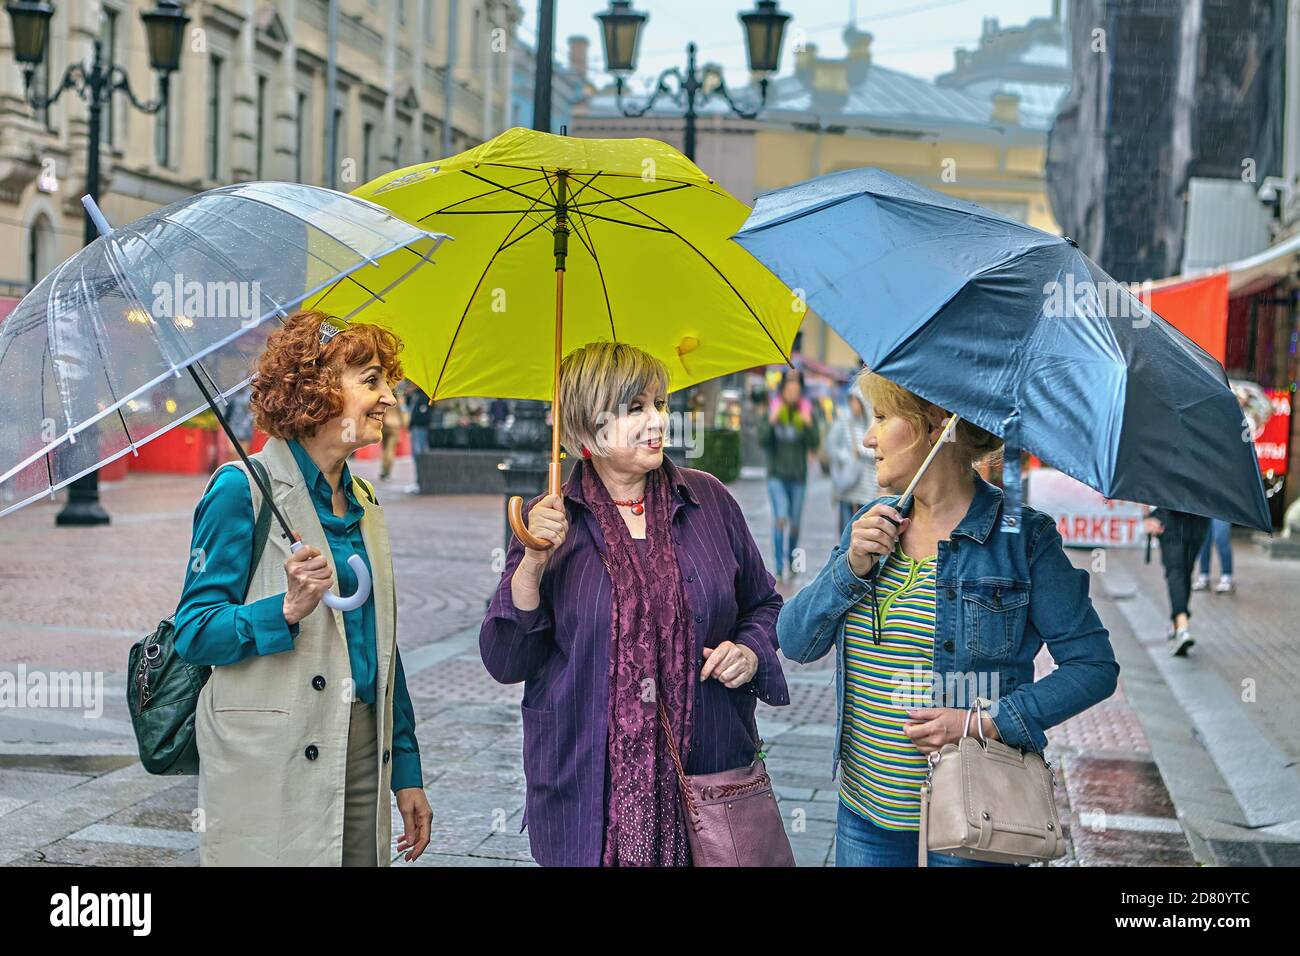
x: 651, y: 660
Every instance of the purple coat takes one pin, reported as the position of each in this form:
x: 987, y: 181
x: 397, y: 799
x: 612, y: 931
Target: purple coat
x: 561, y: 652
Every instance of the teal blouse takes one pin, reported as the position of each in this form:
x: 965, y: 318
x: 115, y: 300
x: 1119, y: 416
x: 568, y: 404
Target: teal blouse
x: 214, y: 626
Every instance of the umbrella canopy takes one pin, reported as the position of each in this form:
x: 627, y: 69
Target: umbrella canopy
x: 629, y: 229
x: 1018, y: 331
x: 95, y: 361
x: 648, y: 263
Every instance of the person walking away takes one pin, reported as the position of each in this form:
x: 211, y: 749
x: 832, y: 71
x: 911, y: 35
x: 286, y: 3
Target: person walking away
x: 1180, y: 535
x: 788, y: 436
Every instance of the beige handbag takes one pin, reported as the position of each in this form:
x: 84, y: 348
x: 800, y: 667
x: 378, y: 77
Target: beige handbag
x: 987, y: 801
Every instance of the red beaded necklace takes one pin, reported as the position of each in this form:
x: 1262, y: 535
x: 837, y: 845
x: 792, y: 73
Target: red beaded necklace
x: 636, y: 504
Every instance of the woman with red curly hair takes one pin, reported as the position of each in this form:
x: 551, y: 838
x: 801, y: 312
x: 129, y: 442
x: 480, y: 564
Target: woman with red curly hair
x: 305, y: 722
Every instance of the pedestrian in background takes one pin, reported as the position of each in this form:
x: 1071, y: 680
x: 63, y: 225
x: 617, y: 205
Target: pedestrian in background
x: 652, y: 593
x: 900, y: 637
x: 305, y: 722
x: 394, y: 422
x: 419, y: 415
x: 1181, y: 536
x: 853, y: 466
x: 1219, y: 539
x: 788, y: 436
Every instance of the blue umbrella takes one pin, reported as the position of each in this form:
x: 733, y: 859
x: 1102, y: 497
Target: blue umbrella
x: 1019, y: 332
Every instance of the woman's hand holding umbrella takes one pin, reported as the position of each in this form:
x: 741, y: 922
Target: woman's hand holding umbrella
x: 547, y: 523
x: 874, y: 536
x: 309, y: 579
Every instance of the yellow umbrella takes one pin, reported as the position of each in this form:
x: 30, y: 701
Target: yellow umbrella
x: 641, y: 234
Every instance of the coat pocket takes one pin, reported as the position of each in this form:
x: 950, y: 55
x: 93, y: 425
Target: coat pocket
x: 541, y: 767
x: 994, y: 612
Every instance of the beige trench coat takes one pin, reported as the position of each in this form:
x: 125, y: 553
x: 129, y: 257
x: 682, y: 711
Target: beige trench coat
x: 272, y: 746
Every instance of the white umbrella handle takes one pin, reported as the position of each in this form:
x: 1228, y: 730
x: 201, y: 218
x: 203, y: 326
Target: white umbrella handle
x: 358, y: 598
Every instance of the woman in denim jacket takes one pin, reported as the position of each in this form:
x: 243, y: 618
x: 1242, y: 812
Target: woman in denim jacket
x: 930, y: 613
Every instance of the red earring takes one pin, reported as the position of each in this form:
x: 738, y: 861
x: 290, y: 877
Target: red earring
x: 586, y: 453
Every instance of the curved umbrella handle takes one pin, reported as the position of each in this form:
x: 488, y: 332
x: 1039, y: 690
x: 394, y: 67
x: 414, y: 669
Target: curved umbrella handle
x: 530, y: 540
x: 358, y: 598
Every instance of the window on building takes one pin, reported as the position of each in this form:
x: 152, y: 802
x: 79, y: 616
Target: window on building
x: 40, y: 249
x: 261, y: 127
x: 477, y: 40
x: 215, y: 64
x: 428, y: 21
x: 108, y: 39
x: 336, y: 145
x: 300, y: 140
x: 397, y: 153
x: 367, y: 140
x: 41, y: 80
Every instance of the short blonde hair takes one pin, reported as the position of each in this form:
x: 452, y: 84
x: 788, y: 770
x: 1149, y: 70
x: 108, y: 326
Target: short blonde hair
x: 972, y: 444
x: 595, y: 380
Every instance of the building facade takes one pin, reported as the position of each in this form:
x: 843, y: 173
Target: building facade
x: 416, y: 80
x: 979, y: 133
x: 569, y: 84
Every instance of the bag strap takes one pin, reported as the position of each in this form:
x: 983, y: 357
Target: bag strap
x: 688, y: 795
x: 366, y: 487
x: 262, y: 529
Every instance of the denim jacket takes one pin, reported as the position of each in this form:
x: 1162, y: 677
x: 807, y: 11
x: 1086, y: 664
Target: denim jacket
x: 998, y: 598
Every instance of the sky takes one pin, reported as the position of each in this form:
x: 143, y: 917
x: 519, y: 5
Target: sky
x: 914, y: 36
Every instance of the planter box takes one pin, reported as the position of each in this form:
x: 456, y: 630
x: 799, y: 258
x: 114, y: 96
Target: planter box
x: 181, y: 451
x: 116, y: 471
x: 376, y: 451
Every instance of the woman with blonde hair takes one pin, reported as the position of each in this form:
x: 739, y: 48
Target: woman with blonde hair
x: 919, y: 608
x: 305, y: 723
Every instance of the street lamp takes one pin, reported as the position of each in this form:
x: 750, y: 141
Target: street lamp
x: 165, y: 30
x: 620, y: 32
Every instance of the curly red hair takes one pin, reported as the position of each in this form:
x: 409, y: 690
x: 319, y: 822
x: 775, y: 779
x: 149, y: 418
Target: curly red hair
x: 298, y: 383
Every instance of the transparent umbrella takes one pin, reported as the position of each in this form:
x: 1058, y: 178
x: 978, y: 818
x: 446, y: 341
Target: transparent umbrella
x: 160, y: 318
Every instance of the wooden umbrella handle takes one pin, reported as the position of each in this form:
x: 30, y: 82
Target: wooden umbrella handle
x: 516, y: 513
x: 520, y: 529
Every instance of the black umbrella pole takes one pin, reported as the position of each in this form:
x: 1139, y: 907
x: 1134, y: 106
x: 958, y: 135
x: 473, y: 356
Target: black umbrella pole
x: 225, y: 426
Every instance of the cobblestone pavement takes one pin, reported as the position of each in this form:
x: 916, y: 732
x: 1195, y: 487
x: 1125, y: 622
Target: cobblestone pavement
x: 72, y: 792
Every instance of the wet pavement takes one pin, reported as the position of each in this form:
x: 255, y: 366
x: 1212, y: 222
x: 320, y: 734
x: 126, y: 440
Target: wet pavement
x: 1140, y: 784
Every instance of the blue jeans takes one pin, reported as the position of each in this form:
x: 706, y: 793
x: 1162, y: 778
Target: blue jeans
x: 859, y: 842
x: 419, y: 440
x: 1220, y: 538
x: 787, y: 509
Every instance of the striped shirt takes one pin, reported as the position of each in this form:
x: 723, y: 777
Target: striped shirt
x: 882, y: 770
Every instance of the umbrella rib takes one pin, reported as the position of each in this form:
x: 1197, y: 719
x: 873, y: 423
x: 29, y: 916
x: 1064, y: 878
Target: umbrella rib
x: 624, y: 222
x: 524, y: 235
x: 469, y: 302
x: 653, y: 192
x: 120, y: 272
x: 226, y: 261
x: 499, y: 186
x: 663, y: 179
x: 590, y: 245
x: 447, y: 210
x: 51, y: 335
x: 695, y: 249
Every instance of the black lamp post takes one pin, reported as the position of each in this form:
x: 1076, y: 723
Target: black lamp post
x: 165, y: 30
x: 620, y: 31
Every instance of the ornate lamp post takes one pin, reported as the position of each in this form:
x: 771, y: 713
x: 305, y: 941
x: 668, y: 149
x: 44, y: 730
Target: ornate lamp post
x: 620, y: 31
x: 165, y: 31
